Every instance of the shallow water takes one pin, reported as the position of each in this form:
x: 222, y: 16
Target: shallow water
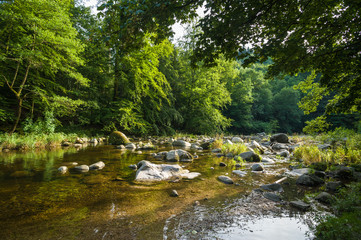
x: 36, y: 202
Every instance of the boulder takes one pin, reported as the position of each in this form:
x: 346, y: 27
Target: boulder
x: 300, y: 205
x: 178, y: 155
x: 130, y: 146
x: 97, y: 166
x: 334, y: 186
x: 148, y: 171
x: 239, y: 173
x: 257, y: 167
x: 225, y: 179
x: 181, y: 143
x: 237, y: 140
x: 133, y: 166
x: 343, y: 172
x: 216, y: 150
x: 120, y: 147
x: 172, y: 156
x: 300, y: 171
x: 279, y: 146
x: 118, y: 138
x: 273, y: 187
x: 255, y: 145
x: 280, y: 138
x: 79, y: 140
x: 229, y: 155
x: 222, y: 164
x: 174, y: 193
x: 272, y: 196
x: 284, y: 153
x: 93, y: 141
x: 324, y: 197
x: 249, y: 157
x: 309, y: 180
x: 63, y: 169
x: 82, y: 168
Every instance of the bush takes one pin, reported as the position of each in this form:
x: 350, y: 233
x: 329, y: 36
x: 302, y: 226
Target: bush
x: 235, y: 148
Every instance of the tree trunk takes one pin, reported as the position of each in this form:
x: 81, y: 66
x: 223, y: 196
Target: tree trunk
x: 20, y: 106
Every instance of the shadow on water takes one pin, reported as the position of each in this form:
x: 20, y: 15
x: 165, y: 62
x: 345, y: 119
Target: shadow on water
x: 36, y: 202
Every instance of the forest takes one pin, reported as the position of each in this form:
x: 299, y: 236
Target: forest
x: 66, y: 69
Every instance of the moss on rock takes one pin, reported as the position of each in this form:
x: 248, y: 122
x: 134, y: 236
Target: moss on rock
x: 117, y: 138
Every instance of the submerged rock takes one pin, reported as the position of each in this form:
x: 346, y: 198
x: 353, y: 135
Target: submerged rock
x: 82, y: 168
x: 225, y: 179
x: 97, y: 166
x: 300, y: 205
x: 239, y: 173
x: 148, y: 171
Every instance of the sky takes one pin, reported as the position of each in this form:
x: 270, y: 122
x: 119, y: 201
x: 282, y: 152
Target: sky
x: 178, y: 28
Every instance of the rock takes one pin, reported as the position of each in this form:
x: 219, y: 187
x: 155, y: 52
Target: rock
x: 130, y: 146
x: 249, y: 157
x: 237, y: 140
x: 216, y: 150
x: 181, y: 143
x: 82, y: 168
x: 97, y: 166
x: 257, y: 167
x: 62, y: 169
x: 133, y: 166
x: 93, y: 141
x: 272, y: 196
x: 300, y: 205
x: 239, y: 173
x: 309, y: 180
x: 324, y: 146
x: 222, y: 164
x: 320, y: 174
x: 229, y: 155
x: 147, y: 146
x: 343, y: 172
x: 66, y: 144
x: 79, y: 141
x: 267, y: 160
x: 179, y: 155
x: 255, y: 145
x: 300, y: 171
x: 238, y: 165
x: 273, y: 187
x: 195, y: 146
x: 120, y: 147
x: 212, y: 168
x: 324, y: 197
x: 284, y: 153
x: 148, y: 171
x: 174, y: 193
x: 280, y: 138
x: 334, y: 186
x: 225, y: 179
x: 118, y: 138
x: 206, y: 145
x: 279, y: 146
x: 172, y: 156
x: 227, y: 141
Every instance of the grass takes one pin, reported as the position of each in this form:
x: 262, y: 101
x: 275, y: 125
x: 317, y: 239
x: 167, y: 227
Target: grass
x: 235, y: 148
x: 32, y: 140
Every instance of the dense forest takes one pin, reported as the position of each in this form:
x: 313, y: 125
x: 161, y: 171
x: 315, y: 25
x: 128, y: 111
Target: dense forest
x: 63, y: 67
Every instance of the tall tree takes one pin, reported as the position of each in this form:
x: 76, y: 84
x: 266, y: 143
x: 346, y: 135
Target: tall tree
x: 37, y: 41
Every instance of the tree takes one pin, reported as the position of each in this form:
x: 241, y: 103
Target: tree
x: 299, y: 36
x: 37, y: 41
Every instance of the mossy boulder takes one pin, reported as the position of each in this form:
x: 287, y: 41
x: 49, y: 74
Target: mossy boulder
x: 118, y: 138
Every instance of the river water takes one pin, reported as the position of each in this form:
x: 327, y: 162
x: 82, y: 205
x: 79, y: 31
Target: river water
x: 36, y: 202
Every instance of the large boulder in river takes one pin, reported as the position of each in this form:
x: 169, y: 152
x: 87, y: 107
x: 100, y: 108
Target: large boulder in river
x: 309, y: 180
x: 249, y: 157
x: 279, y: 137
x: 97, y: 166
x: 118, y: 138
x: 181, y: 143
x: 148, y: 171
x: 179, y: 155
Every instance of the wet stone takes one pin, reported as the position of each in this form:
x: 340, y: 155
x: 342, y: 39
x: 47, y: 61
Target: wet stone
x: 222, y: 164
x: 273, y: 187
x: 97, y: 166
x: 239, y: 173
x: 82, y: 168
x: 174, y: 193
x: 63, y: 169
x: 300, y: 205
x: 257, y: 167
x: 309, y: 180
x: 324, y: 197
x: 225, y: 179
x: 272, y: 196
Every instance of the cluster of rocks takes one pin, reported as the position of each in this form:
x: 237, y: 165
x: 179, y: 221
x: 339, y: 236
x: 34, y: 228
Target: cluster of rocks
x: 82, y: 168
x: 178, y: 155
x: 80, y: 142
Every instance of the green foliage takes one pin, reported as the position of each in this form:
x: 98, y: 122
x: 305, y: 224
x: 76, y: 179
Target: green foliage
x: 46, y: 125
x: 316, y: 125
x: 347, y: 222
x: 235, y: 148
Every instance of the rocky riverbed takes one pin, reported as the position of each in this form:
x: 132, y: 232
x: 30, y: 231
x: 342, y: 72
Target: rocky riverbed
x: 197, y: 192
